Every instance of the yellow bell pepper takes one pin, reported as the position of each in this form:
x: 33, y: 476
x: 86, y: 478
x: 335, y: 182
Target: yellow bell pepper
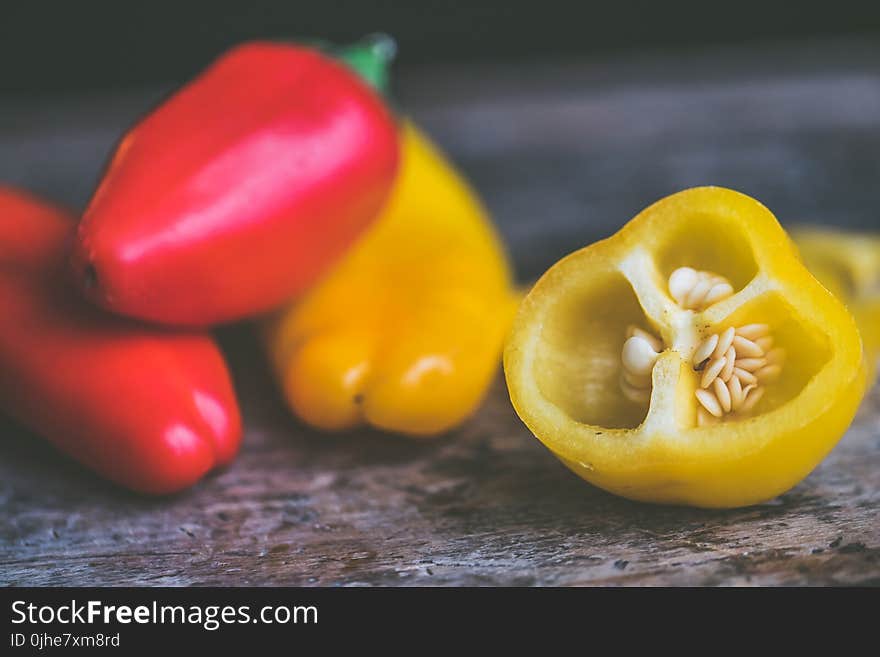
x: 848, y: 264
x: 688, y: 359
x: 405, y: 334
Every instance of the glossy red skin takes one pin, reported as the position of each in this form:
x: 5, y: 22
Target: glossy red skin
x: 238, y: 191
x: 149, y: 408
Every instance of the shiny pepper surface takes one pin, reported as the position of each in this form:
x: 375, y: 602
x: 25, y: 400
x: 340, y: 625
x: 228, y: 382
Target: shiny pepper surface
x: 848, y: 264
x: 151, y: 409
x: 239, y: 190
x: 618, y: 357
x: 405, y: 334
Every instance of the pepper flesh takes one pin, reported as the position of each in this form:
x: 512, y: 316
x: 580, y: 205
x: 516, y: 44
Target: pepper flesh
x: 562, y: 358
x: 405, y: 334
x: 149, y: 409
x: 239, y: 191
x: 848, y: 264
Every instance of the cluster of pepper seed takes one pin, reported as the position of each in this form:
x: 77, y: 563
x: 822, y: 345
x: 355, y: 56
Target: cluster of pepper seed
x: 640, y: 353
x: 697, y: 290
x: 692, y: 290
x: 735, y: 364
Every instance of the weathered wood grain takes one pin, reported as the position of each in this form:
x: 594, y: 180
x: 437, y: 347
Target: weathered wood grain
x: 484, y: 505
x: 563, y: 155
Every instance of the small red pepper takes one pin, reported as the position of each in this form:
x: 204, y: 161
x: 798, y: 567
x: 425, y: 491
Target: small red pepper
x: 148, y: 408
x: 239, y: 191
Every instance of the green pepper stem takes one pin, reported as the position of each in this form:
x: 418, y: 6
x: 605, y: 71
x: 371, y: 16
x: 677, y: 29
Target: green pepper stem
x: 371, y: 58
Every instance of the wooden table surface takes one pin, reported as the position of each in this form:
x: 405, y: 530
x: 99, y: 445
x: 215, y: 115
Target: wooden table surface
x: 564, y: 154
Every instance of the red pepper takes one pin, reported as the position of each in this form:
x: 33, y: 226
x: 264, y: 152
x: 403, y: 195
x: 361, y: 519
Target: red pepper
x: 239, y: 191
x: 148, y: 408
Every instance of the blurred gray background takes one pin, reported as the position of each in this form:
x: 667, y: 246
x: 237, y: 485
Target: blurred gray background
x: 568, y: 118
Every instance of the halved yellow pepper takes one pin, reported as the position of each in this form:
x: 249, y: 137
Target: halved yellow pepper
x: 564, y: 360
x: 848, y: 264
x: 405, y: 334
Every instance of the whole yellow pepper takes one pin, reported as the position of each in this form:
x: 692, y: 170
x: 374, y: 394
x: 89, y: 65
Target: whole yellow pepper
x: 848, y: 264
x: 405, y: 333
